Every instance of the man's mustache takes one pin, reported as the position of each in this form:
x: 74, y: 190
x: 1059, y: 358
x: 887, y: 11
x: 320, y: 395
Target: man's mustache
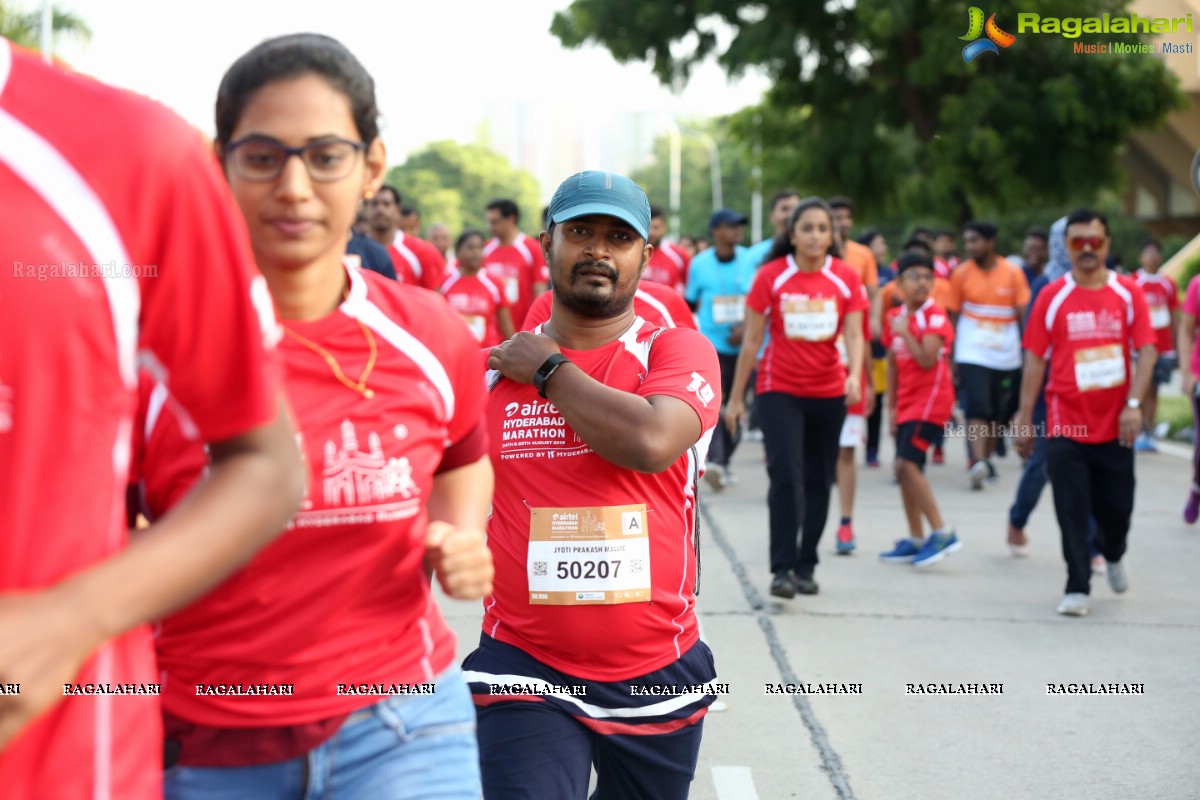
x: 591, y: 265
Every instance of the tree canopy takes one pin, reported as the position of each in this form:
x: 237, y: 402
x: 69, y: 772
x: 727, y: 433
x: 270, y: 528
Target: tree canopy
x: 451, y: 182
x: 873, y: 98
x: 24, y: 27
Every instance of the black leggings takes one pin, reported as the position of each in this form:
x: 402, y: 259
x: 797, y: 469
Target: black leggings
x: 724, y: 442
x: 800, y: 435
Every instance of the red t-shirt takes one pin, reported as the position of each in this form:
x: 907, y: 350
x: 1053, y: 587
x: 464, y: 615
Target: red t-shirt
x: 922, y: 395
x: 82, y: 203
x: 1086, y: 333
x: 844, y: 356
x: 516, y: 268
x: 805, y: 312
x: 417, y: 262
x: 542, y: 464
x: 1162, y: 299
x: 341, y: 596
x: 479, y: 300
x: 659, y: 305
x: 668, y: 266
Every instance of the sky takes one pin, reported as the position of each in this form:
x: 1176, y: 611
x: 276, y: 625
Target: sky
x: 436, y: 63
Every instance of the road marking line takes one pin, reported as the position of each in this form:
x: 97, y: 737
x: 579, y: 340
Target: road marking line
x: 734, y: 783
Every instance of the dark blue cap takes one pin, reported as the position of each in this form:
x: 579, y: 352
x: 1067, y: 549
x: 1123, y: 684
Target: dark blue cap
x: 607, y: 193
x: 726, y: 217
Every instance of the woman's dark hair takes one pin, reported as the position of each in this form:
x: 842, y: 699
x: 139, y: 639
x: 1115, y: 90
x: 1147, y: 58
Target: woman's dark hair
x: 467, y: 234
x: 866, y: 237
x: 783, y: 242
x: 294, y: 56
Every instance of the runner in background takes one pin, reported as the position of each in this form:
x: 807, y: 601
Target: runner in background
x: 860, y: 258
x: 1035, y: 252
x: 988, y: 299
x: 384, y: 380
x: 918, y: 337
x: 599, y: 423
x: 1087, y: 319
x: 1162, y: 297
x: 442, y: 240
x: 853, y: 435
x: 669, y: 264
x: 410, y: 220
x: 512, y: 259
x: 718, y: 281
x: 945, y: 258
x: 474, y: 295
x: 416, y: 261
x: 364, y: 252
x: 807, y: 296
x: 1189, y: 358
x: 878, y: 370
x: 133, y: 200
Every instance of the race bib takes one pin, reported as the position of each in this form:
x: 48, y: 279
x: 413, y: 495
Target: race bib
x: 729, y: 309
x: 512, y: 289
x: 993, y: 335
x: 477, y: 324
x: 810, y: 320
x: 589, y: 556
x: 1099, y: 367
x: 1160, y: 317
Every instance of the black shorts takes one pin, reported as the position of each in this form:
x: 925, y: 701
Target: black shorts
x: 990, y: 395
x: 913, y: 439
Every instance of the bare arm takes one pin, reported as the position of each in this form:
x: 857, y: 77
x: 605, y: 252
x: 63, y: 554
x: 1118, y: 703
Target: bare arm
x: 752, y: 338
x: 1187, y: 341
x: 1031, y: 384
x: 505, y: 322
x: 875, y: 321
x: 455, y: 546
x: 254, y: 485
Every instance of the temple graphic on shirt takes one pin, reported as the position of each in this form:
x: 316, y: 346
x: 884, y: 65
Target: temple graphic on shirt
x: 357, y: 477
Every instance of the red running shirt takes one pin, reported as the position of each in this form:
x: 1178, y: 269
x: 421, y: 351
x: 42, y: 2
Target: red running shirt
x: 922, y: 395
x: 78, y: 211
x: 541, y: 463
x: 1162, y: 299
x: 1088, y: 332
x: 668, y: 266
x: 341, y: 596
x: 516, y: 268
x: 805, y: 312
x: 659, y: 305
x: 479, y: 300
x: 417, y: 262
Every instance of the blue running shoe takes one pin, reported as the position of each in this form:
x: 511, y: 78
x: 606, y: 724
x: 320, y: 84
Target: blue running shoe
x: 1144, y: 444
x: 903, y: 553
x: 937, y: 546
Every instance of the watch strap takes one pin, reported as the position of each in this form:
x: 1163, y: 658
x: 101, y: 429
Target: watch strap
x: 547, y: 369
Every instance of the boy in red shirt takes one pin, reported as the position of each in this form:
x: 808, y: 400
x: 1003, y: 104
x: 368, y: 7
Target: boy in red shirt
x: 473, y: 294
x: 920, y: 394
x: 1087, y: 318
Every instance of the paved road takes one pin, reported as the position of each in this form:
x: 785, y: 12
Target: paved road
x: 980, y: 616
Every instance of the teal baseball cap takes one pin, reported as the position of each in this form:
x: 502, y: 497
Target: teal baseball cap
x: 607, y: 193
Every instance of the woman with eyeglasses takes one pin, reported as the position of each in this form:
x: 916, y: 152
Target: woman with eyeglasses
x: 324, y: 665
x: 807, y: 295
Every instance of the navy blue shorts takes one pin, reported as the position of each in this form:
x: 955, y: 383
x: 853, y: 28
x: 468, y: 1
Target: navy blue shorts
x: 642, y: 735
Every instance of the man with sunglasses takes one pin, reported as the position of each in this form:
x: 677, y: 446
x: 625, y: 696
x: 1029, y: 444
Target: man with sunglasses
x: 1086, y: 319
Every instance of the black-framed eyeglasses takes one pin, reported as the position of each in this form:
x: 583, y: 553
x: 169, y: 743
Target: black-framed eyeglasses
x: 260, y: 160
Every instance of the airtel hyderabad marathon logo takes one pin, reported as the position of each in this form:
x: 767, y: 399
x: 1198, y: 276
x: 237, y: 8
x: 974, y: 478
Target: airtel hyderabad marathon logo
x: 991, y: 43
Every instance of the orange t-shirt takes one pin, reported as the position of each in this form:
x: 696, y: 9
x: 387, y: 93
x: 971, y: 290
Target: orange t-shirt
x: 862, y: 261
x: 990, y: 303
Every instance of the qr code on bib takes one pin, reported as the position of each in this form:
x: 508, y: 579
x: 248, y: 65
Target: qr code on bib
x: 541, y: 569
x: 635, y: 566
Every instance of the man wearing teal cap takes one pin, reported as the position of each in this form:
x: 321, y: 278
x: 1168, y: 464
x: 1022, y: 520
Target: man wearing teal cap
x: 598, y: 425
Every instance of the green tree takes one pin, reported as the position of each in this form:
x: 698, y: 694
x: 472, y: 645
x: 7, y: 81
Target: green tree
x: 696, y: 200
x: 452, y: 182
x: 24, y: 27
x: 872, y: 98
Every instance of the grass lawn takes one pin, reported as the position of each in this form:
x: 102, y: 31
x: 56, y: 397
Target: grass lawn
x: 1176, y: 411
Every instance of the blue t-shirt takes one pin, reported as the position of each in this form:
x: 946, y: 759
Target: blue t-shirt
x: 728, y: 282
x: 760, y: 251
x: 374, y: 256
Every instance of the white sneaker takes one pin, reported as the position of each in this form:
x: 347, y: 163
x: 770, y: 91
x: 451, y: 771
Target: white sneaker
x: 1074, y: 605
x: 978, y: 473
x: 1118, y: 577
x: 714, y: 475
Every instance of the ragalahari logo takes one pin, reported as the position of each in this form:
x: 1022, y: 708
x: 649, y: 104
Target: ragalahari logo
x: 979, y: 45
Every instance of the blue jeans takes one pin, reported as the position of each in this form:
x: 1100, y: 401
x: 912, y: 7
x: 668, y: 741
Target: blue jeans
x: 402, y: 748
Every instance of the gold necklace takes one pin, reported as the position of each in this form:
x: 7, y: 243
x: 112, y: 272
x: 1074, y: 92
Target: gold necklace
x: 361, y: 386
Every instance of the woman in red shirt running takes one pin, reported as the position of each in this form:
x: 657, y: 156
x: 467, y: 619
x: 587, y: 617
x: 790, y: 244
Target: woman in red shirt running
x: 807, y: 296
x: 325, y: 663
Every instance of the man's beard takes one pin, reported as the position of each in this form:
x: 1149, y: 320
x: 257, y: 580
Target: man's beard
x: 590, y: 304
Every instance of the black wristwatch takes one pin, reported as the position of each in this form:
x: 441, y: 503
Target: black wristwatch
x: 546, y: 370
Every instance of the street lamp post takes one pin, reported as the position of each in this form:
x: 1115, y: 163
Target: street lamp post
x: 46, y: 32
